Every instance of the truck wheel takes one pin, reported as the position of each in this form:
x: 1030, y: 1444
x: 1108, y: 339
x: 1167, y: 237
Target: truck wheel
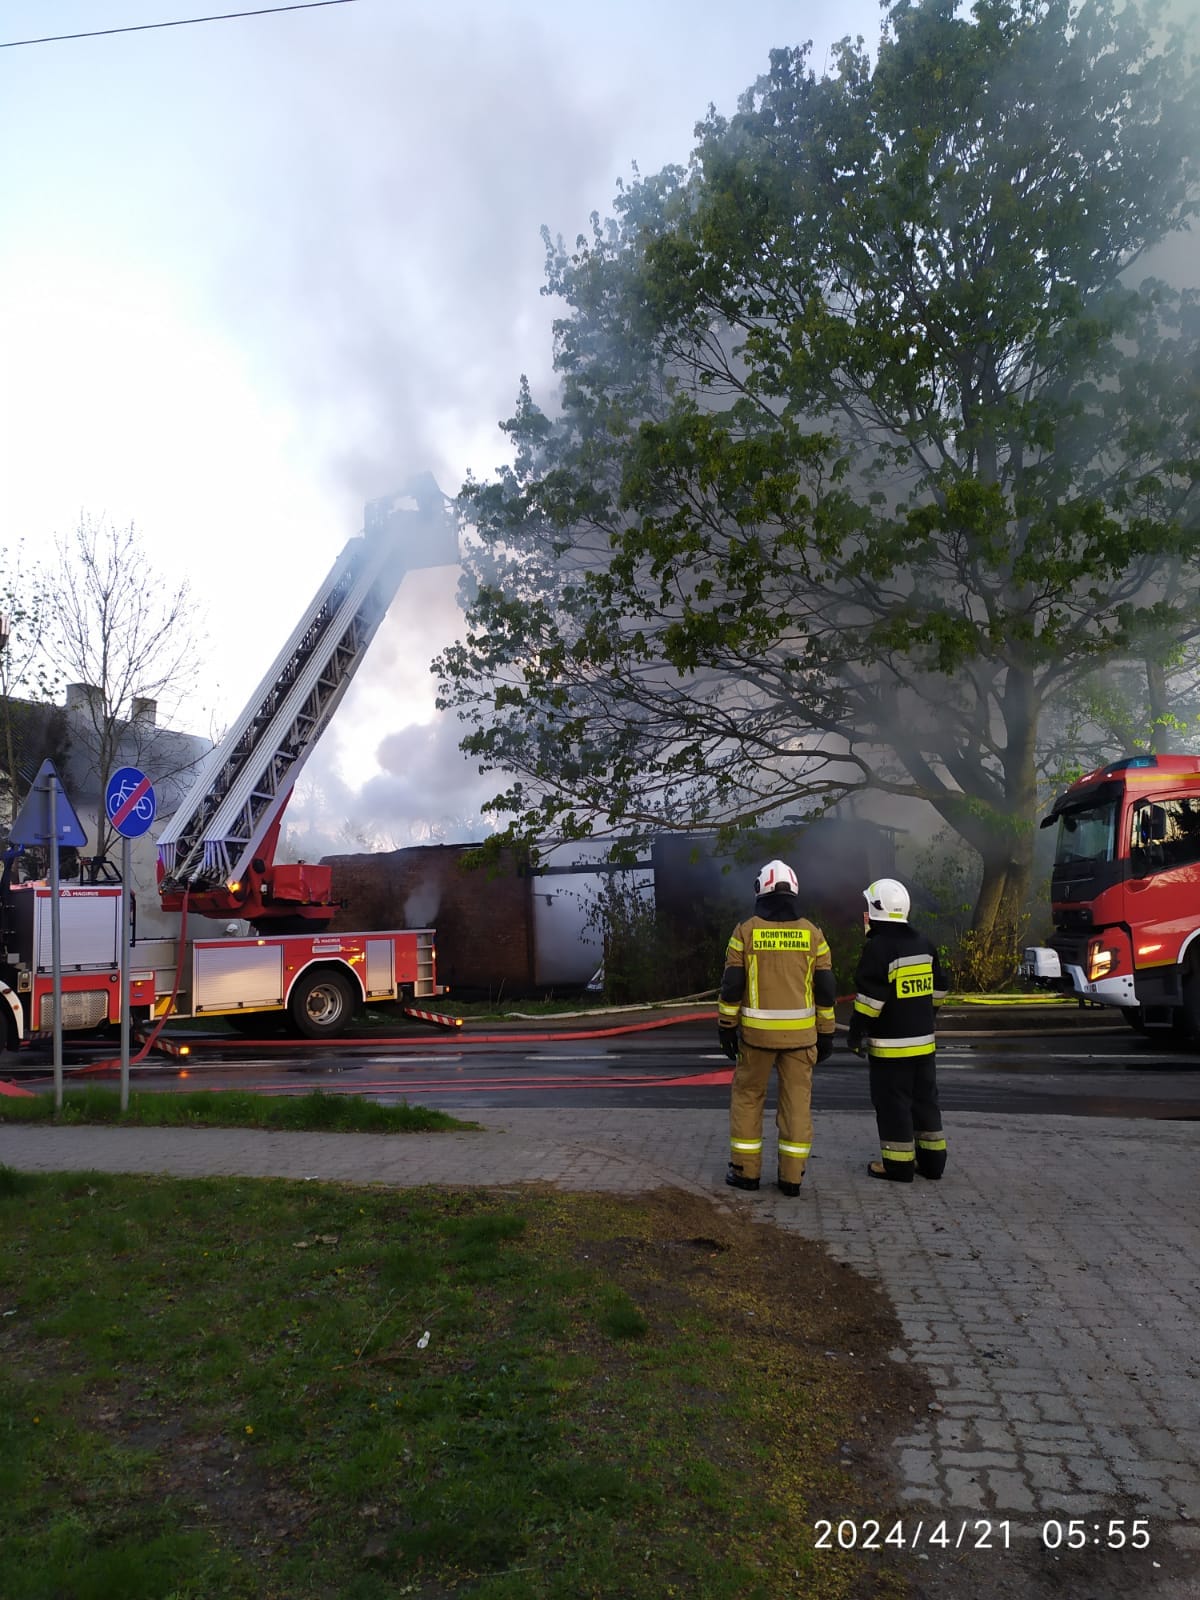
x: 1188, y: 1027
x: 9, y: 1044
x: 320, y: 1005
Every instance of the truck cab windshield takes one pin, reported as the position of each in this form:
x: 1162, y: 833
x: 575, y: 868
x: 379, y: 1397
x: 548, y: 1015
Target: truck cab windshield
x: 1086, y: 835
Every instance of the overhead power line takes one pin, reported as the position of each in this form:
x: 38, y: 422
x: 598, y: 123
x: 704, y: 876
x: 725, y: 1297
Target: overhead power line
x: 178, y: 22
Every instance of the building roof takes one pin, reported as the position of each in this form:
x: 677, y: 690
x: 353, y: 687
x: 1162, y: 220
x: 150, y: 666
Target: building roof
x: 66, y: 735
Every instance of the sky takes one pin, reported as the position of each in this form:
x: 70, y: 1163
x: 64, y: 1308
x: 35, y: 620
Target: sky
x: 254, y: 273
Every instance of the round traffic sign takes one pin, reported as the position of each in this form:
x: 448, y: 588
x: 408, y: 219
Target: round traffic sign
x: 129, y: 802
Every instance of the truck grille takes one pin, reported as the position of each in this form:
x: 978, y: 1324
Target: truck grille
x: 1071, y: 952
x: 1073, y: 919
x: 81, y: 1008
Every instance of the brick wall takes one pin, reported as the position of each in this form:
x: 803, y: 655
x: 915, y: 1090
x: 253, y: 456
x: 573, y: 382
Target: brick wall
x: 483, y: 917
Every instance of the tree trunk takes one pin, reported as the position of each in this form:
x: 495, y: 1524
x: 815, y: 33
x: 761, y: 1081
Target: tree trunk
x: 1003, y: 890
x: 1159, y: 705
x: 992, y: 947
x: 996, y: 926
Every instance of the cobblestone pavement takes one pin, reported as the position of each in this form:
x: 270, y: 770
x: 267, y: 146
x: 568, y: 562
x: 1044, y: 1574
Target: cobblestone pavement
x: 1050, y: 1285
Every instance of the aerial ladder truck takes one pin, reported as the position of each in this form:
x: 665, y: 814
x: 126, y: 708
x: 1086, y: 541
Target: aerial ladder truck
x: 216, y: 855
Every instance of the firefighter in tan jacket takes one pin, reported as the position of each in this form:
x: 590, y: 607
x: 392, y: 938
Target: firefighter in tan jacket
x: 775, y: 1010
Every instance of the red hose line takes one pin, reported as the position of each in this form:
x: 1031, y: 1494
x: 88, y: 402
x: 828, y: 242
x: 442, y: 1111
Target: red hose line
x: 109, y: 1066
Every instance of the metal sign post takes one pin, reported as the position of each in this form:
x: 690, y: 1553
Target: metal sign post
x: 129, y: 804
x: 125, y: 944
x: 55, y: 941
x: 48, y: 819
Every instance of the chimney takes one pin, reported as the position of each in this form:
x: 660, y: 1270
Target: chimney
x: 144, y: 710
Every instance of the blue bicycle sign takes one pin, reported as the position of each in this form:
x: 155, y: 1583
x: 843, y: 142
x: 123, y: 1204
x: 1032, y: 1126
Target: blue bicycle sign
x: 129, y: 802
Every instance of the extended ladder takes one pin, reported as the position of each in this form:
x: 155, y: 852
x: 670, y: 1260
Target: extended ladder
x: 244, y: 783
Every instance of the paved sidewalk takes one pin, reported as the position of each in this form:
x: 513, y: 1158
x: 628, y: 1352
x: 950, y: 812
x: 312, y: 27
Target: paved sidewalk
x: 1050, y: 1285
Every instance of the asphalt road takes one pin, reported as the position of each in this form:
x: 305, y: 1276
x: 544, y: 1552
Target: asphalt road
x: 1094, y: 1074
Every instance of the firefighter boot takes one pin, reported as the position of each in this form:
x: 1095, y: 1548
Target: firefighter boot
x: 735, y: 1178
x: 931, y: 1154
x: 898, y: 1164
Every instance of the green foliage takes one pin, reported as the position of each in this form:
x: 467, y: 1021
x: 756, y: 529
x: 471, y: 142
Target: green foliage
x: 986, y: 962
x: 646, y: 960
x: 945, y: 882
x: 870, y: 446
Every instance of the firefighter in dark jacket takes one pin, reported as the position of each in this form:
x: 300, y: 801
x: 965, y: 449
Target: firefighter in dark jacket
x: 775, y: 1010
x: 899, y: 985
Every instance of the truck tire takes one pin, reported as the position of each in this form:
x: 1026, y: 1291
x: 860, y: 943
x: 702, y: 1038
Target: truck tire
x: 321, y: 1004
x: 1188, y: 1028
x: 10, y: 1043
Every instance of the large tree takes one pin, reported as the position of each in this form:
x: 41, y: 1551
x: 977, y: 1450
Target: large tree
x: 874, y: 445
x: 129, y: 640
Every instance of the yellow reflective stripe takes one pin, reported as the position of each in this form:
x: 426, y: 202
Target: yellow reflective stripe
x: 752, y: 981
x: 736, y: 944
x: 782, y: 1025
x: 822, y: 949
x: 897, y: 1152
x: 910, y: 961
x: 787, y: 1149
x: 778, y: 1016
x: 725, y: 1009
x: 748, y: 1146
x: 931, y: 1144
x: 825, y: 1013
x: 892, y: 1052
x: 868, y: 1007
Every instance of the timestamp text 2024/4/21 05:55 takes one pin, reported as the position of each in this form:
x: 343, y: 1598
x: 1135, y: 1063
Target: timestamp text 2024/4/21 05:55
x: 1116, y: 1533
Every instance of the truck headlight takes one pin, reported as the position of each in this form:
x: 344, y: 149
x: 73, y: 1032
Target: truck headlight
x: 1101, y: 962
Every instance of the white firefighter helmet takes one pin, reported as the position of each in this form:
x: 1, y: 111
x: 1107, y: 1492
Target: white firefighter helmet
x: 887, y: 901
x: 776, y: 875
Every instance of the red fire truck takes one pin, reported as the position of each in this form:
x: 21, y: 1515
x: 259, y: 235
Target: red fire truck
x: 1125, y: 891
x: 216, y: 856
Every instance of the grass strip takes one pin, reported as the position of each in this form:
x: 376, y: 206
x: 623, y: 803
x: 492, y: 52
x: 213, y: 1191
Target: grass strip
x: 246, y: 1388
x: 315, y: 1112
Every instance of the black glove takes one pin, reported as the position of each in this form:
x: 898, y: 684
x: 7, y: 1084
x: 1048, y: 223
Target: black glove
x: 854, y: 1042
x: 729, y: 1040
x: 824, y: 1046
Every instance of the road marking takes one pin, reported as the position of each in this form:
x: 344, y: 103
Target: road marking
x: 595, y: 1055
x: 407, y: 1060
